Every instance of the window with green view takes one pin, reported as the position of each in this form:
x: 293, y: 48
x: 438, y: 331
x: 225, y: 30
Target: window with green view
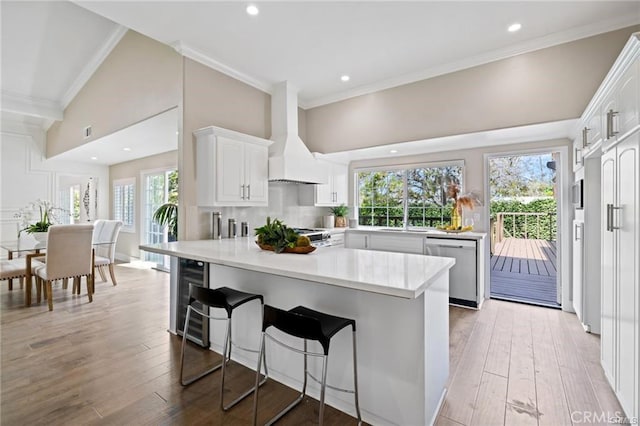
x: 417, y: 195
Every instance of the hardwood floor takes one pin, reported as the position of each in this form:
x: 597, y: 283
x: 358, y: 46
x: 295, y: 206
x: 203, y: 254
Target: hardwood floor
x: 113, y: 362
x: 515, y: 364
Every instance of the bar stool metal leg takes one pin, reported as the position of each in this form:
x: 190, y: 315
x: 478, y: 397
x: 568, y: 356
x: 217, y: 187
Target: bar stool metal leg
x: 355, y: 379
x: 323, y: 387
x: 184, y: 344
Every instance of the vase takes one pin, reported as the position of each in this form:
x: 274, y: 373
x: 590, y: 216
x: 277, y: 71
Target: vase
x: 456, y: 220
x: 40, y: 237
x: 341, y: 222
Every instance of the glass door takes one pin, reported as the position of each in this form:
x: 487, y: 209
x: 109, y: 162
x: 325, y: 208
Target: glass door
x: 158, y: 188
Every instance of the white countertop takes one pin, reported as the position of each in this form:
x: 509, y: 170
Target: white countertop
x: 393, y: 274
x: 431, y: 233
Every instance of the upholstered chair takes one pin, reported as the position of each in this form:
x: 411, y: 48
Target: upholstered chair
x: 105, y: 237
x: 69, y: 255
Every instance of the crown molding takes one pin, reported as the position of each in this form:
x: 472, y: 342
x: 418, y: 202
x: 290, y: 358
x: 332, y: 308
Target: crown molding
x: 29, y: 106
x: 90, y: 68
x: 484, y: 58
x: 196, y: 55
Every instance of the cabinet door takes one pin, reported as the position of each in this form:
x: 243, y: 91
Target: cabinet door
x: 341, y: 183
x: 397, y: 243
x: 627, y: 117
x: 324, y: 194
x: 356, y: 240
x: 626, y: 219
x: 595, y: 127
x: 229, y: 170
x: 256, y: 174
x: 608, y: 329
x: 578, y: 259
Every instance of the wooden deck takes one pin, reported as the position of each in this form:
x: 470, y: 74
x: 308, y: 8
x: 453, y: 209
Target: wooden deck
x: 524, y: 270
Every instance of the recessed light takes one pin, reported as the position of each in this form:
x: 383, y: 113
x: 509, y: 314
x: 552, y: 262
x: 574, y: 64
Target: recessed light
x: 345, y: 78
x: 126, y: 149
x: 252, y: 10
x: 94, y: 158
x: 514, y: 27
x: 393, y: 151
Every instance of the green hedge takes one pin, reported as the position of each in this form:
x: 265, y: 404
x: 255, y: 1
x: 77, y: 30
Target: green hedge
x: 548, y: 223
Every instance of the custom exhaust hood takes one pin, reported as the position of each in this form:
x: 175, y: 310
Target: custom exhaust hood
x: 289, y: 158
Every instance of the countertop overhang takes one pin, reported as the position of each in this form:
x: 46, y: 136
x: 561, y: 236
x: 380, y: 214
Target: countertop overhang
x: 393, y: 274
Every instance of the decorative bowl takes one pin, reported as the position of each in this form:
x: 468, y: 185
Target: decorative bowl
x: 297, y: 250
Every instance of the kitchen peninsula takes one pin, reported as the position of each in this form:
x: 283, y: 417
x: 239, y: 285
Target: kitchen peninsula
x: 399, y: 302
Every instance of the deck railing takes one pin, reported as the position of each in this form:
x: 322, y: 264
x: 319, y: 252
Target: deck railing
x: 524, y: 225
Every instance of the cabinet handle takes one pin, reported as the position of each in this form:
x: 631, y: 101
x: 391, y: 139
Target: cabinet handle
x: 612, y: 218
x: 609, y: 218
x: 248, y: 192
x: 577, y: 156
x: 242, y: 187
x: 585, y: 132
x: 610, y: 122
x: 366, y: 241
x: 576, y: 233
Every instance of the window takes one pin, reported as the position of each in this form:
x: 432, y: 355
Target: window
x: 416, y: 196
x: 123, y: 203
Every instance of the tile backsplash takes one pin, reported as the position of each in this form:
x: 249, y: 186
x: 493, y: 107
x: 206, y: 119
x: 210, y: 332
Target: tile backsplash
x: 283, y: 204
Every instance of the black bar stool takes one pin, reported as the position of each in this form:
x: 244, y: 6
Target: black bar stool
x: 227, y: 299
x: 306, y: 324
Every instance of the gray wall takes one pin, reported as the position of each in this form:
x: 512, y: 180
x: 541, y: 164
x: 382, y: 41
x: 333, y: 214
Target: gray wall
x: 537, y: 87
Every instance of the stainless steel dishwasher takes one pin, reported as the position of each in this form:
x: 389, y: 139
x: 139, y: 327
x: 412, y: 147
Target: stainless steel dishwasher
x: 463, y: 282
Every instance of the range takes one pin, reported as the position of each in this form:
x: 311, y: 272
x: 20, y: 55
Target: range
x: 318, y: 237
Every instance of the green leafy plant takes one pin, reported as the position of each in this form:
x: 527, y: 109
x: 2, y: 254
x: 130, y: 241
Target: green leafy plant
x: 277, y: 234
x: 340, y: 211
x: 47, y: 216
x: 167, y: 215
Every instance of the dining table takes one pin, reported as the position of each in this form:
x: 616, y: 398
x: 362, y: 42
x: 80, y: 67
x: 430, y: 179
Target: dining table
x: 32, y: 249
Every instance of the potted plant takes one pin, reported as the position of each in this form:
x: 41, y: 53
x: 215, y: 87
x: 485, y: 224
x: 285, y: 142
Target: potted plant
x: 278, y: 237
x: 46, y: 218
x: 167, y: 215
x: 340, y: 212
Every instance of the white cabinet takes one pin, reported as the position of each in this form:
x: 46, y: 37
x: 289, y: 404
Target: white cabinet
x: 356, y: 240
x: 620, y: 108
x: 399, y: 243
x: 231, y: 168
x: 333, y: 193
x: 620, y: 339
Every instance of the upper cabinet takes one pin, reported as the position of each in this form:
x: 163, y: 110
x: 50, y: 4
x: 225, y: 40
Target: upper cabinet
x: 613, y: 112
x: 334, y: 192
x: 231, y: 168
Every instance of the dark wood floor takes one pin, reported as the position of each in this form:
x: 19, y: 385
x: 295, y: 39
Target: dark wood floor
x: 113, y: 362
x: 525, y: 270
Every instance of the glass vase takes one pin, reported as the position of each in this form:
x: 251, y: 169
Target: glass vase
x: 456, y: 219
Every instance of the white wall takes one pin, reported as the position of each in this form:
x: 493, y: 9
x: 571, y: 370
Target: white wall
x: 26, y: 176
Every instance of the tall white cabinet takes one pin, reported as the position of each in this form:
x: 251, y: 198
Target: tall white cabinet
x: 620, y: 270
x: 612, y: 131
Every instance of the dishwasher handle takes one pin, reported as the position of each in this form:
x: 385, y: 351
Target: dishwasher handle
x: 450, y: 243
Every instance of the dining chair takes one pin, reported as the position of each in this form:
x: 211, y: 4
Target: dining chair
x: 13, y: 269
x: 105, y: 236
x: 69, y: 255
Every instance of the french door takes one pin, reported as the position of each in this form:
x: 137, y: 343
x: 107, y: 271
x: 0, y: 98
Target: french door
x: 155, y: 193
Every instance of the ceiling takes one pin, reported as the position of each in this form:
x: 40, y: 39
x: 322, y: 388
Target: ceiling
x: 49, y: 49
x: 153, y: 136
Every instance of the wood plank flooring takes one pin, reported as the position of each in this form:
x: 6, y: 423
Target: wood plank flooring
x: 525, y: 270
x: 515, y: 364
x: 113, y: 362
